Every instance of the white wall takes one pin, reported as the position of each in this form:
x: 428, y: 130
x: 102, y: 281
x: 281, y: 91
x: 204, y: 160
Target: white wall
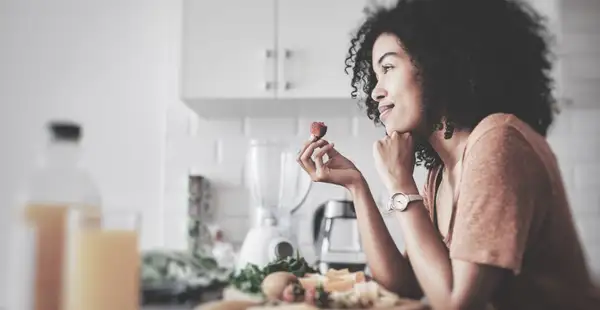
x: 110, y: 64
x: 216, y: 149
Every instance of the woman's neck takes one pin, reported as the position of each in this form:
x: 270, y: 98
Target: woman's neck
x: 451, y: 150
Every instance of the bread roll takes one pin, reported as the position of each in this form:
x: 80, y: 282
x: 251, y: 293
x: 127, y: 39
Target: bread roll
x: 333, y: 280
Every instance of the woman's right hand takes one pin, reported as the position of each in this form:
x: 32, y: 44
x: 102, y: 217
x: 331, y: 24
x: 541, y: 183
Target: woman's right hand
x: 337, y: 170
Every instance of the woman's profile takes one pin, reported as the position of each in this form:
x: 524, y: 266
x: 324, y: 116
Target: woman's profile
x: 463, y: 87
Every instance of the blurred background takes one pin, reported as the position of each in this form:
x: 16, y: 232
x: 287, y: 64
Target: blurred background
x: 169, y: 90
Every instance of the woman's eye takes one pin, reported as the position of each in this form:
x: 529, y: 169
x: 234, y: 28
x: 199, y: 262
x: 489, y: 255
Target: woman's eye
x: 386, y: 68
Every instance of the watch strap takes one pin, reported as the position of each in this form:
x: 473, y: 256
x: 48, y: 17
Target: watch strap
x: 414, y: 197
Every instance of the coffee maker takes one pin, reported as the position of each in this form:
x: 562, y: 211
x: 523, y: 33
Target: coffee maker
x: 337, y: 238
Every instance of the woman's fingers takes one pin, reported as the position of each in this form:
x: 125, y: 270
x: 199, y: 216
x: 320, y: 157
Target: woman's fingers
x: 319, y: 156
x: 305, y: 158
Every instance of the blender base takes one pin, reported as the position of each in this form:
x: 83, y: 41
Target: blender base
x: 264, y: 244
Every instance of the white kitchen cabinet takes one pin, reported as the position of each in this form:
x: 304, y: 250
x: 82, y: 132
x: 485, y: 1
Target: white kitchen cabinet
x: 228, y: 49
x: 313, y: 37
x: 268, y: 57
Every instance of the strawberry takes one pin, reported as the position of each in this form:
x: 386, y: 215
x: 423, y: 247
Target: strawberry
x: 317, y: 130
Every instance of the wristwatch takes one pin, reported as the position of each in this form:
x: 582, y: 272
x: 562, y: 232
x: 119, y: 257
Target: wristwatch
x: 400, y: 201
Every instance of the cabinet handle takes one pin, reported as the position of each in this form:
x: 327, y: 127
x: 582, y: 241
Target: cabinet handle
x: 270, y: 58
x: 287, y: 54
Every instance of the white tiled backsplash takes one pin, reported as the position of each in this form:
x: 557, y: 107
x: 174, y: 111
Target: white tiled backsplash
x: 216, y: 149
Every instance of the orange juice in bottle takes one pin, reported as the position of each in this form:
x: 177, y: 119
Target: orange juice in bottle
x: 58, y: 184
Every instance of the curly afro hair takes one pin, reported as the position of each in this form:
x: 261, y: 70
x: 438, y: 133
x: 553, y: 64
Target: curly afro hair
x: 472, y: 58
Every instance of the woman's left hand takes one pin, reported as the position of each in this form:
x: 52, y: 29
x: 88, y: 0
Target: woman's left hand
x: 395, y: 161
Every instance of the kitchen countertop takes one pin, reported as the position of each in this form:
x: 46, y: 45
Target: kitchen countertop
x: 168, y: 307
x: 207, y: 296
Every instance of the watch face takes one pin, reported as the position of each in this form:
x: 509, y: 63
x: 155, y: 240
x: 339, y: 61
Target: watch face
x: 401, y: 201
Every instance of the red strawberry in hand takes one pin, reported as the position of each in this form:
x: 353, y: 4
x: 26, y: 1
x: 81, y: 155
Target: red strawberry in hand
x: 317, y: 130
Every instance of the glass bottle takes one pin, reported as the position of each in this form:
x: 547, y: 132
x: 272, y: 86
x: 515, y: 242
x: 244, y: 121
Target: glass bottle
x: 57, y: 184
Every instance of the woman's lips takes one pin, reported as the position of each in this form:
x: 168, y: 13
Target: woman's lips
x: 384, y: 111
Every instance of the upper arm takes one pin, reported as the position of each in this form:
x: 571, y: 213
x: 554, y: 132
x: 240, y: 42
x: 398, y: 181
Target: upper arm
x: 494, y: 211
x: 474, y: 284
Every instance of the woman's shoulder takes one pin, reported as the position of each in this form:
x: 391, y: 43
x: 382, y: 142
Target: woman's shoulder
x: 503, y: 139
x: 503, y: 133
x: 497, y: 124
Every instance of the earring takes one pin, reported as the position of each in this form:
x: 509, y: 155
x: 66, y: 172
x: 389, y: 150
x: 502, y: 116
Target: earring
x: 449, y: 130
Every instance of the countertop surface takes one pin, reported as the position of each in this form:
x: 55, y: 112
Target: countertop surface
x: 168, y: 307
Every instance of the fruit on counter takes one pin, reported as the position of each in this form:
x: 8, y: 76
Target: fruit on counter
x: 340, y: 289
x: 336, y: 289
x: 317, y: 130
x: 275, y: 283
x: 297, y: 306
x: 333, y: 280
x: 293, y: 292
x: 249, y: 279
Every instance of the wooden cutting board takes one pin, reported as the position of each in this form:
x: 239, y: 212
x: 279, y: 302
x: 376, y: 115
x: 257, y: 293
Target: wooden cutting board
x: 234, y: 299
x: 254, y: 305
x: 231, y: 293
x: 412, y: 306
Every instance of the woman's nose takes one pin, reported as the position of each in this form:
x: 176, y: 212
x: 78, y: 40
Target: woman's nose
x: 378, y: 94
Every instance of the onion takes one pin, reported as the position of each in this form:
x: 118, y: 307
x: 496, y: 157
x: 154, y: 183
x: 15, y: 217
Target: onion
x: 274, y: 284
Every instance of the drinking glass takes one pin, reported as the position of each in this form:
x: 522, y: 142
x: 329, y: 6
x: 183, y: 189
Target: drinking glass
x: 103, y: 260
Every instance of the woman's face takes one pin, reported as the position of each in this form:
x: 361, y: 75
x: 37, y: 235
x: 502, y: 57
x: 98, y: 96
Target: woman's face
x: 397, y: 91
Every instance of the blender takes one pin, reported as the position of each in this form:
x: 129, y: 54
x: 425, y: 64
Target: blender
x: 278, y: 186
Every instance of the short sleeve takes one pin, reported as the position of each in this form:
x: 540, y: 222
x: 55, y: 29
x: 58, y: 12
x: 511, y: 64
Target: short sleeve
x: 496, y: 203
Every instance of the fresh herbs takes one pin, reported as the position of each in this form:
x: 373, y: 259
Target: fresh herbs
x: 249, y: 279
x: 321, y: 297
x: 298, y: 266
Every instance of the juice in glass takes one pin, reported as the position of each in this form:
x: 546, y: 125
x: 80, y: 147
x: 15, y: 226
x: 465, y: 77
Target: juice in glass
x: 104, y: 263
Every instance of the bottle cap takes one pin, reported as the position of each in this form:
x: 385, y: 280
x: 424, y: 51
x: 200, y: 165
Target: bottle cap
x: 65, y: 130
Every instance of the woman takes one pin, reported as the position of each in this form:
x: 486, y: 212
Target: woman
x: 462, y: 87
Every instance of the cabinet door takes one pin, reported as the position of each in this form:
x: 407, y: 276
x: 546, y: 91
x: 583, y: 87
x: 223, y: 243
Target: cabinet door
x: 228, y: 49
x: 313, y: 38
